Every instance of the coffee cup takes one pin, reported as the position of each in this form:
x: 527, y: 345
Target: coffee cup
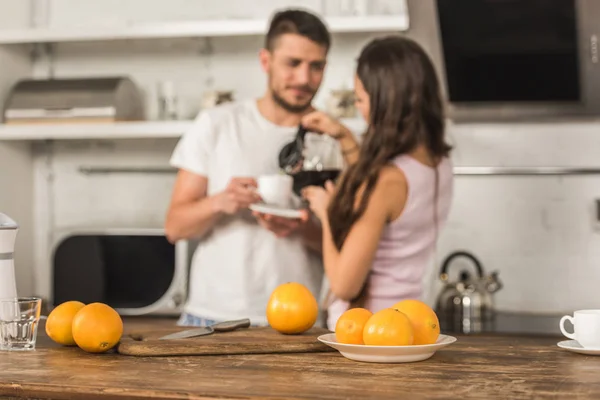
x: 275, y: 189
x: 586, y: 327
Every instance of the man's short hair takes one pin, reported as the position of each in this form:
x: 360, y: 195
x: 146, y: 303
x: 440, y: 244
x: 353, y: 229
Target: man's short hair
x: 299, y: 22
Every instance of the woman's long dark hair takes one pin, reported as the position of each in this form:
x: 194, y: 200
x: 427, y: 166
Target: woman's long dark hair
x: 406, y: 111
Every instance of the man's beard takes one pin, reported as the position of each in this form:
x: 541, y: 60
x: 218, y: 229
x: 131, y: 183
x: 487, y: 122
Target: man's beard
x: 281, y: 102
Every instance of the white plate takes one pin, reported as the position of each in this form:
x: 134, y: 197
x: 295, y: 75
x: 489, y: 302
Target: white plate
x: 574, y: 346
x: 387, y: 354
x: 277, y: 210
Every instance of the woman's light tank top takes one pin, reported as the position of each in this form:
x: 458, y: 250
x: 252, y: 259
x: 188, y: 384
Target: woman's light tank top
x: 408, y: 242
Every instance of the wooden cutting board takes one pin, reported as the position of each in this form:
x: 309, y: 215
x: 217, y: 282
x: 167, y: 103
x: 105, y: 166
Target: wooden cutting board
x: 242, y: 341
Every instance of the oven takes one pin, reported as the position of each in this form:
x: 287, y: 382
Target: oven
x: 135, y: 271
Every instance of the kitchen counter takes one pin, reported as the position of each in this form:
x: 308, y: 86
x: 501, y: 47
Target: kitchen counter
x: 481, y: 366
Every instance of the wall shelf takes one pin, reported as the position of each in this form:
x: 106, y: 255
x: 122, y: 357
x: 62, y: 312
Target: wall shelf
x: 185, y: 29
x: 113, y: 131
x: 76, y: 131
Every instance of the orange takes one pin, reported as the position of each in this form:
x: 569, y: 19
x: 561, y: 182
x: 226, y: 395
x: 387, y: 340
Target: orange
x: 388, y: 327
x: 350, y: 325
x: 292, y: 308
x: 426, y: 325
x: 58, y: 324
x: 97, y: 328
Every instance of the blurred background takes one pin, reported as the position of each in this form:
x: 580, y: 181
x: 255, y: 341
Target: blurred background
x: 95, y: 95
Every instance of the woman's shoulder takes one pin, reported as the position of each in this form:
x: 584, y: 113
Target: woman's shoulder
x: 391, y: 186
x: 391, y: 175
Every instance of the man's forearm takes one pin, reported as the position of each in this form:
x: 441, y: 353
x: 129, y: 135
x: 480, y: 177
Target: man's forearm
x: 190, y: 220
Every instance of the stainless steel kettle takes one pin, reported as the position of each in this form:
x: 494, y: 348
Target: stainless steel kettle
x: 467, y: 305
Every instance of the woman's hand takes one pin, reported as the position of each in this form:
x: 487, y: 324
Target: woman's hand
x: 319, y: 122
x: 319, y: 198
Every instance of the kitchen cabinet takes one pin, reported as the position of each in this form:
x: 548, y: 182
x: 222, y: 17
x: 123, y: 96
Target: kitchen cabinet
x: 185, y: 29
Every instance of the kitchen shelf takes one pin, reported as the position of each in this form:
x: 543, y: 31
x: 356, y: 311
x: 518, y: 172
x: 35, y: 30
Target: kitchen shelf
x: 208, y: 28
x: 117, y: 130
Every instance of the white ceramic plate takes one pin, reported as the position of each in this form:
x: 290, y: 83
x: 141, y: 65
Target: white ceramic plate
x: 387, y: 354
x: 574, y: 346
x: 277, y: 211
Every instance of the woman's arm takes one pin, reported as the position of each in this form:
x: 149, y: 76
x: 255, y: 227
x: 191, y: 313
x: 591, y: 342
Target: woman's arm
x: 318, y: 121
x: 347, y: 269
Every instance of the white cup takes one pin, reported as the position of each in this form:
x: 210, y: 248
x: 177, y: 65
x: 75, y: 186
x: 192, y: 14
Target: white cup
x: 275, y: 189
x: 586, y: 326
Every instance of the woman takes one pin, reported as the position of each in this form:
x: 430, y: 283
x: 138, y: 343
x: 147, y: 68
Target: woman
x: 380, y: 223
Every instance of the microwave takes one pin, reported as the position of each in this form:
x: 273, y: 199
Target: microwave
x: 513, y: 59
x: 135, y: 271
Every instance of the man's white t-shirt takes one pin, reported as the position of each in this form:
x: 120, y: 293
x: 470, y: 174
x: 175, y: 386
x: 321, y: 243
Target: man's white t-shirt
x: 239, y: 263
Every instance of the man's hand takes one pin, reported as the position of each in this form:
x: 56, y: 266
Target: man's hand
x: 239, y: 194
x: 281, y: 227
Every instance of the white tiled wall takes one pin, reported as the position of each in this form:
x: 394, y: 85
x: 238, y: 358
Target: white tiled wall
x: 536, y: 231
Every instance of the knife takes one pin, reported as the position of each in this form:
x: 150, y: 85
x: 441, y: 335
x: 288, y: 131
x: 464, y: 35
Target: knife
x: 207, y: 330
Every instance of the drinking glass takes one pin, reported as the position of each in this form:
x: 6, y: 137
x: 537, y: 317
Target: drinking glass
x: 19, y: 319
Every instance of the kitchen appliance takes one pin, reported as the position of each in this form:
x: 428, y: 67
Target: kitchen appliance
x: 514, y: 323
x: 8, y: 236
x: 108, y: 99
x: 466, y: 305
x: 513, y: 59
x: 305, y: 168
x: 135, y: 271
x: 306, y: 178
x: 291, y: 156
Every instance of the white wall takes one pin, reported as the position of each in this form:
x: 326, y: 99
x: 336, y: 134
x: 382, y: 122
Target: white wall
x: 537, y: 231
x: 16, y: 173
x: 15, y: 14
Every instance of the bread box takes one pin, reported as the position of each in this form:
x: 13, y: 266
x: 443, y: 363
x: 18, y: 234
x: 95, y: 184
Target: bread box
x: 106, y: 99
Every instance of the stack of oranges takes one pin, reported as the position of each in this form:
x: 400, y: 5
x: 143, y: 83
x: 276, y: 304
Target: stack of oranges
x: 95, y: 328
x: 292, y: 309
x: 408, y: 322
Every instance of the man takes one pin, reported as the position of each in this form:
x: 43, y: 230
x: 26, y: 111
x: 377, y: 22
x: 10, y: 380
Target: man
x: 242, y: 257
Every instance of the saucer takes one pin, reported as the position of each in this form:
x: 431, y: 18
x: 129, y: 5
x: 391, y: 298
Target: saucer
x: 574, y: 346
x: 278, y: 211
x: 386, y: 354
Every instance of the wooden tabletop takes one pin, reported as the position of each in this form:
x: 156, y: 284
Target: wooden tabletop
x: 475, y: 366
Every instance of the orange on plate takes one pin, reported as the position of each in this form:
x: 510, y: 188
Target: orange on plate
x: 424, y: 320
x: 292, y: 308
x: 349, y: 327
x: 97, y: 328
x: 60, y: 320
x: 388, y: 327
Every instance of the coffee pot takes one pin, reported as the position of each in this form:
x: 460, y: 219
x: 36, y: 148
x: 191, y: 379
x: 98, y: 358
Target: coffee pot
x: 291, y: 156
x: 467, y: 305
x: 8, y: 236
x: 306, y: 169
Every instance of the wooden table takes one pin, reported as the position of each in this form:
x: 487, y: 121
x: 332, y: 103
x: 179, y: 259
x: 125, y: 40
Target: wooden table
x: 475, y: 366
